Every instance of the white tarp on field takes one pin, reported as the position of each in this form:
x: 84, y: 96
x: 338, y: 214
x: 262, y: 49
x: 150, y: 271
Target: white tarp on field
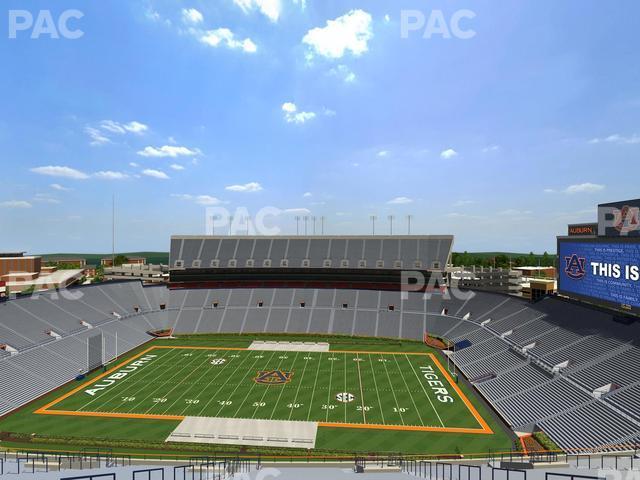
x: 290, y: 346
x: 242, y: 431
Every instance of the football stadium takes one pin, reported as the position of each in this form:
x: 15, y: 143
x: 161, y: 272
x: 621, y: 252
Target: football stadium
x: 319, y: 240
x: 322, y: 348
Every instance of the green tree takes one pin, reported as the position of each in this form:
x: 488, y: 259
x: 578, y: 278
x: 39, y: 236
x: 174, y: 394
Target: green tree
x: 119, y: 260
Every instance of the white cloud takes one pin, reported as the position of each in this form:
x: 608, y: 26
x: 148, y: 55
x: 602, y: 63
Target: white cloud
x: 207, y: 200
x: 549, y: 190
x: 292, y: 115
x: 344, y: 73
x: 155, y: 174
x: 175, y: 166
x: 269, y: 8
x: 296, y: 211
x: 100, y: 136
x: 59, y: 171
x: 57, y: 186
x: 134, y: 164
x: 400, y: 201
x: 348, y: 33
x: 462, y: 203
x: 199, y: 199
x: 96, y: 136
x: 15, y: 204
x: 618, y: 139
x: 225, y: 37
x: 584, y: 188
x: 192, y: 16
x: 383, y: 153
x: 247, y: 187
x: 45, y: 198
x: 511, y: 212
x: 307, y: 194
x: 491, y: 148
x: 387, y: 18
x: 448, y: 153
x: 168, y: 151
x: 110, y: 175
x: 122, y: 128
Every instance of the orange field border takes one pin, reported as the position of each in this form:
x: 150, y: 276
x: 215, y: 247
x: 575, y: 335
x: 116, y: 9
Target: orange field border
x: 484, y: 427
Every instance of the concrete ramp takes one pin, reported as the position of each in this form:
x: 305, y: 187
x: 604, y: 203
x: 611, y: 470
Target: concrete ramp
x: 242, y: 431
x: 289, y: 346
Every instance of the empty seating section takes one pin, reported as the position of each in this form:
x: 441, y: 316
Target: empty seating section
x: 546, y: 400
x: 415, y: 252
x: 590, y: 426
x: 44, y: 362
x: 523, y: 377
x: 627, y: 399
x: 621, y: 369
x: 520, y: 387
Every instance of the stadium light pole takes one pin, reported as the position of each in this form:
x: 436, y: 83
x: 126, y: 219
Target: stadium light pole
x: 391, y: 217
x: 322, y: 225
x: 373, y: 224
x: 409, y: 217
x: 230, y: 223
x: 247, y: 219
x: 306, y: 221
x: 297, y: 225
x: 313, y: 219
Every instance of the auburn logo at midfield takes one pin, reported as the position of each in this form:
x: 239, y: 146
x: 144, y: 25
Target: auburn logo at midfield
x: 273, y: 377
x: 574, y: 266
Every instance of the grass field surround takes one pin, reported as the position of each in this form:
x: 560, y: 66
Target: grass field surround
x: 370, y: 418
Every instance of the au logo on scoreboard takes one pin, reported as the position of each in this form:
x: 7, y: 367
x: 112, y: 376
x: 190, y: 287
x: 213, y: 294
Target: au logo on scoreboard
x: 273, y: 377
x: 575, y: 266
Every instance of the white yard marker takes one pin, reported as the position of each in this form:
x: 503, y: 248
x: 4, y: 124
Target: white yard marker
x: 329, y: 393
x: 375, y: 384
x: 283, y: 387
x: 129, y: 385
x: 425, y: 391
x: 395, y: 399
x: 409, y: 390
x: 364, y: 415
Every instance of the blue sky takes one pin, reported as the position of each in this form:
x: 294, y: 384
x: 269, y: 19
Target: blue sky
x: 316, y: 107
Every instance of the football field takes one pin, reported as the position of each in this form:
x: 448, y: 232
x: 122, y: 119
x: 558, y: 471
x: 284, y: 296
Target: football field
x: 363, y: 389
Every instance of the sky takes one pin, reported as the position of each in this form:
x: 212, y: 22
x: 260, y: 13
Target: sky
x: 498, y: 123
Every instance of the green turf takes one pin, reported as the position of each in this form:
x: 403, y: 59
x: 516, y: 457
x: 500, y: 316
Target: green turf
x: 384, y: 389
x: 394, y: 399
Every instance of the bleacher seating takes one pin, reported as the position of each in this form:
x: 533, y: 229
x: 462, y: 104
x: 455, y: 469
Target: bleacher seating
x: 512, y: 350
x: 419, y: 252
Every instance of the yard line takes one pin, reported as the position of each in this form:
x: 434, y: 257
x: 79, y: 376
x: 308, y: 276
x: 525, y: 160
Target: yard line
x: 345, y: 387
x: 224, y: 384
x: 364, y: 415
x: 259, y: 357
x: 266, y: 390
x: 313, y: 392
x: 306, y: 362
x: 220, y: 371
x: 235, y: 415
x: 153, y: 391
x: 165, y: 395
x: 424, y: 390
x: 282, y: 391
x: 127, y: 385
x: 182, y: 397
x: 395, y: 358
x: 375, y: 384
x: 329, y: 394
x: 395, y: 399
